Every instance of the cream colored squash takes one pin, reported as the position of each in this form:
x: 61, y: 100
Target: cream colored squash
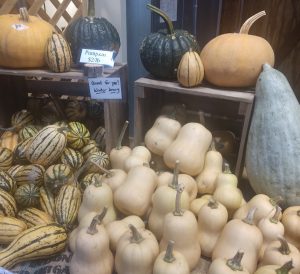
x: 199, y: 202
x: 275, y: 269
x: 138, y: 156
x: 226, y: 177
x: 190, y: 147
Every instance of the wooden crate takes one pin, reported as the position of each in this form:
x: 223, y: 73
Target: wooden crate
x: 15, y: 85
x: 231, y: 108
x: 52, y: 11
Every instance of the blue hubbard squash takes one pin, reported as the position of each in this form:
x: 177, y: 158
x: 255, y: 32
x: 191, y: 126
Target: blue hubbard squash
x: 161, y: 52
x: 90, y: 32
x: 273, y: 147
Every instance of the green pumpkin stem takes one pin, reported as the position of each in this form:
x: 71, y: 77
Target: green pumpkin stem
x: 136, y: 236
x: 91, y: 8
x: 285, y: 268
x: 275, y: 218
x: 178, y: 211
x: 284, y: 246
x: 250, y: 216
x: 235, y: 262
x: 164, y: 16
x: 174, y: 183
x: 121, y: 136
x: 249, y: 22
x: 169, y: 256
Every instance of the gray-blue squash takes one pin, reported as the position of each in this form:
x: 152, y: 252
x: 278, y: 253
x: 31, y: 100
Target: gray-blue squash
x: 273, y: 147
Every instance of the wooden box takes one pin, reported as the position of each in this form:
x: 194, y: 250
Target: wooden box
x: 223, y: 109
x: 15, y: 85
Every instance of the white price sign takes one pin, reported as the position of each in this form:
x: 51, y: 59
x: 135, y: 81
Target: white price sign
x: 99, y: 57
x: 105, y: 88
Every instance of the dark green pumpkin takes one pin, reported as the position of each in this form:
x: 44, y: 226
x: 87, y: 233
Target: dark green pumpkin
x: 91, y: 32
x: 27, y: 195
x: 161, y: 52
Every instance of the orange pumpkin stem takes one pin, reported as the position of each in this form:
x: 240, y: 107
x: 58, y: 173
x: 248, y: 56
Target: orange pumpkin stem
x: 249, y: 22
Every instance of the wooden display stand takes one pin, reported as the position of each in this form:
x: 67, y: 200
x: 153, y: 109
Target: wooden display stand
x: 151, y: 94
x: 16, y: 84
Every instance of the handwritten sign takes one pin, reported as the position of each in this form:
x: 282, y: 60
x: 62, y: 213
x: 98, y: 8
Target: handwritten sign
x: 19, y: 27
x: 105, y: 88
x: 99, y: 57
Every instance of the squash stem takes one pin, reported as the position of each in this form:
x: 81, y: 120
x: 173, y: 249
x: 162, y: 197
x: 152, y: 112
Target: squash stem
x: 121, y: 136
x: 249, y: 22
x: 136, y: 236
x: 91, y: 8
x: 101, y: 216
x: 169, y: 256
x: 227, y: 169
x: 212, y: 203
x: 213, y: 145
x: 24, y: 16
x: 275, y: 218
x: 284, y: 246
x: 164, y: 16
x: 235, y: 262
x: 174, y: 183
x: 92, y: 229
x: 275, y: 200
x: 81, y: 170
x: 250, y: 216
x: 178, y: 211
x: 285, y: 268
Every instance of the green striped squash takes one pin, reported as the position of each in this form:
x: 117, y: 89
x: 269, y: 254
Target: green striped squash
x: 76, y: 110
x: 101, y: 158
x: 34, y: 243
x: 13, y: 170
x: 7, y: 182
x: 89, y: 179
x: 72, y: 158
x: 58, y: 54
x: 19, y: 156
x: 27, y: 195
x: 21, y: 118
x: 99, y: 136
x: 67, y: 205
x: 56, y: 176
x: 88, y: 149
x: 47, y: 146
x: 78, y: 135
x: 8, y: 206
x: 33, y: 174
x: 10, y: 228
x: 6, y: 158
x: 27, y: 132
x: 47, y: 201
x: 33, y: 217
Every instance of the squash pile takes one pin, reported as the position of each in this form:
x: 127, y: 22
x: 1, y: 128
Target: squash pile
x: 121, y: 211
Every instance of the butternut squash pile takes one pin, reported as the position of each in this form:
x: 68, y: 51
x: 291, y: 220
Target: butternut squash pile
x: 154, y: 208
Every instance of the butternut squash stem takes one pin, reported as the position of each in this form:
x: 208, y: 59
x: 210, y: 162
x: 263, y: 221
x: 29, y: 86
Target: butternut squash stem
x: 24, y: 16
x: 136, y: 236
x: 104, y: 170
x: 285, y: 268
x: 169, y: 256
x: 174, y: 183
x: 91, y: 8
x: 284, y: 246
x: 101, y: 216
x: 178, y: 211
x: 227, y: 169
x: 275, y: 200
x: 121, y: 136
x: 164, y: 16
x: 250, y: 216
x: 212, y: 203
x: 249, y: 22
x: 92, y: 229
x: 235, y: 262
x: 275, y: 218
x: 213, y: 145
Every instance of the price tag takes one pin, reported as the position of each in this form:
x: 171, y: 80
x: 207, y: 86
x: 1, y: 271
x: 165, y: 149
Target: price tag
x: 4, y: 271
x: 19, y: 27
x: 105, y: 88
x: 99, y: 57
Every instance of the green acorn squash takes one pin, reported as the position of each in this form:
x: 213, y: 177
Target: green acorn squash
x: 91, y: 32
x: 273, y: 147
x: 162, y: 51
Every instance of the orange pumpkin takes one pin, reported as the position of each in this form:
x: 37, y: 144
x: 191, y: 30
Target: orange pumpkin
x: 236, y: 59
x: 23, y: 40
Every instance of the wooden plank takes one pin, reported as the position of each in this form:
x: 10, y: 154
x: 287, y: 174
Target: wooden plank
x: 34, y: 9
x: 8, y: 6
x: 58, y: 14
x: 233, y: 95
x: 65, y: 14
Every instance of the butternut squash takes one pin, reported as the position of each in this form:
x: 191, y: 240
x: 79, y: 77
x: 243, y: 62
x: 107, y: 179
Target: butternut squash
x: 189, y: 147
x: 138, y: 156
x: 199, y: 202
x: 275, y: 269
